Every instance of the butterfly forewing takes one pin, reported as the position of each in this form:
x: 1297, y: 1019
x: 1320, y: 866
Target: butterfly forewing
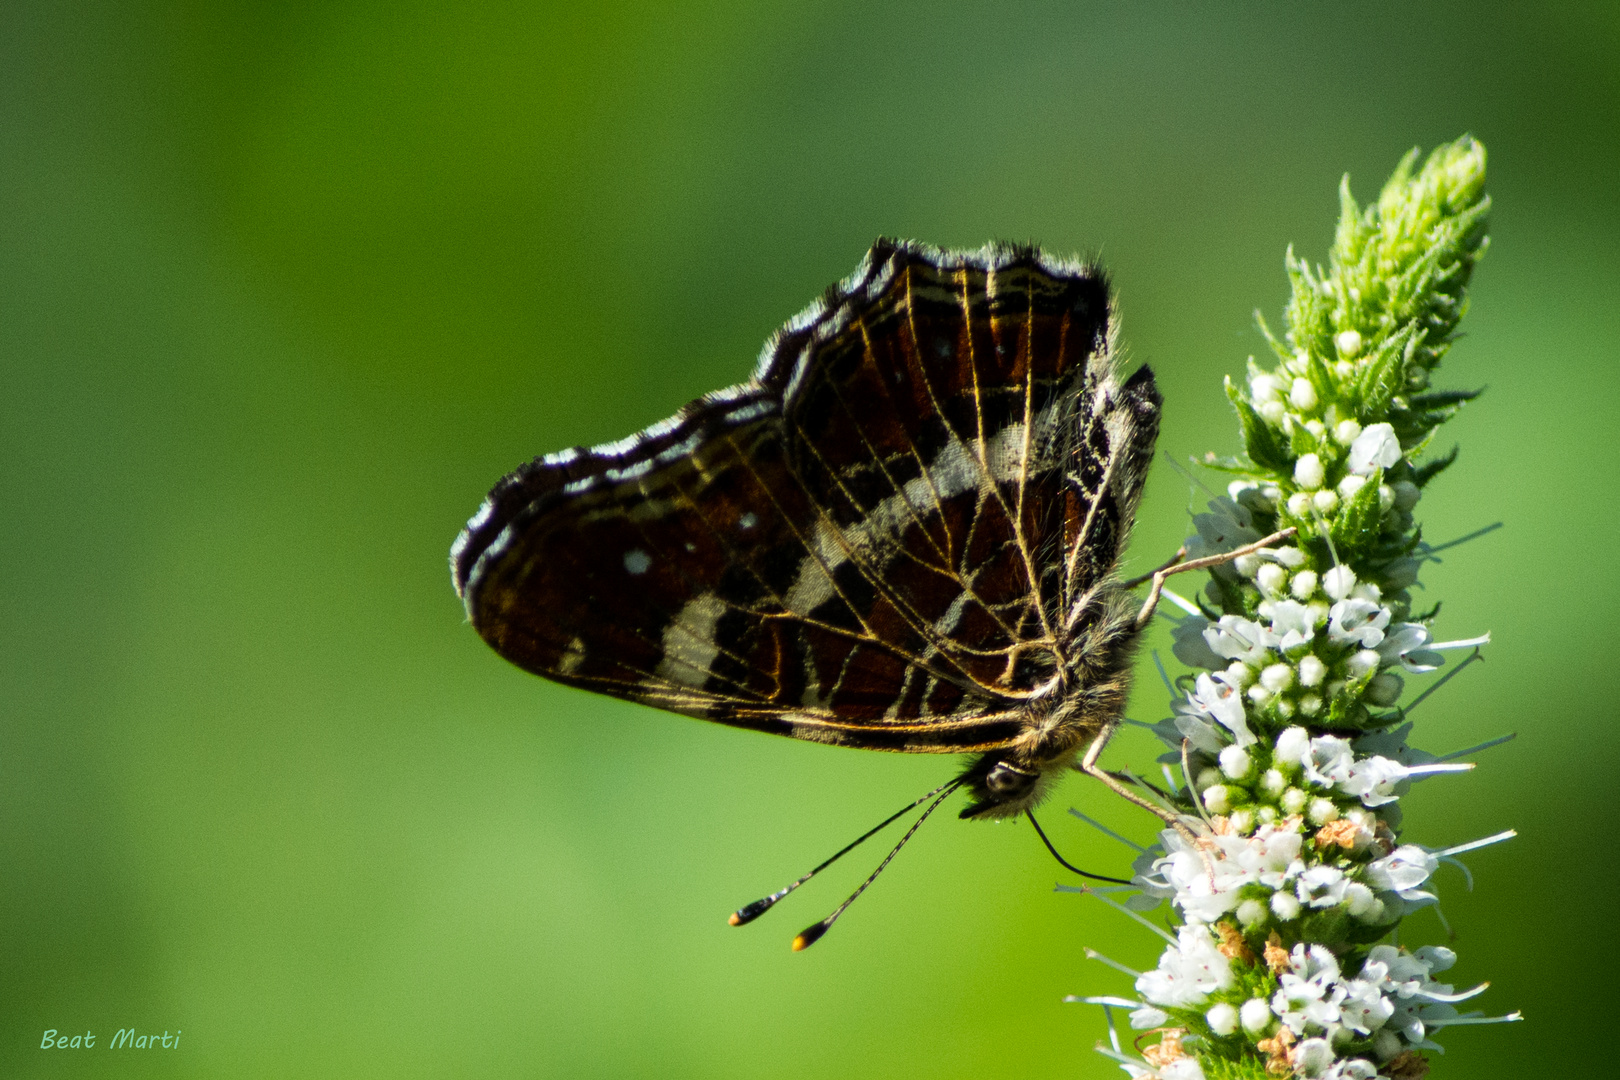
x: 870, y: 543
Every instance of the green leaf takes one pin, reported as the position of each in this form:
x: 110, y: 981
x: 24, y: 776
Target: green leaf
x: 1422, y: 474
x: 1261, y: 441
x: 1358, y: 520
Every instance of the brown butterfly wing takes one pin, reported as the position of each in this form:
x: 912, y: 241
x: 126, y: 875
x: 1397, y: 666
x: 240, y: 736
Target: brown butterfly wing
x: 867, y: 544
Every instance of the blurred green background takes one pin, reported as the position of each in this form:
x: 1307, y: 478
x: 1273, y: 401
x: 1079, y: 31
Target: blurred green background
x: 285, y: 287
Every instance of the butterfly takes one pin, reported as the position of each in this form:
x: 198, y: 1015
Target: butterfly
x: 900, y: 534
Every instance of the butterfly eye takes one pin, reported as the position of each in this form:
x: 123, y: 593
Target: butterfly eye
x: 1005, y: 779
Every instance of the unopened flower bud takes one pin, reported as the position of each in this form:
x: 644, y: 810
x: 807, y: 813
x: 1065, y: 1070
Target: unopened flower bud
x: 1345, y: 432
x: 1290, y: 557
x: 1217, y: 799
x: 1407, y: 494
x: 1223, y: 1019
x: 1386, y: 1044
x: 1251, y: 911
x: 1246, y: 565
x: 1338, y: 582
x: 1277, y: 678
x: 1299, y: 504
x: 1208, y: 777
x: 1265, y: 388
x: 1310, y: 705
x: 1239, y: 674
x: 1235, y: 762
x: 1326, y: 501
x: 1321, y: 812
x: 1386, y: 498
x: 1284, y: 709
x: 1362, y: 662
x: 1292, y: 745
x: 1401, y: 574
x: 1311, y: 671
x: 1308, y: 471
x: 1259, y: 694
x: 1302, y: 395
x: 1285, y: 905
x: 1350, y: 485
x: 1385, y: 688
x: 1274, y: 412
x: 1266, y: 815
x: 1255, y: 1016
x: 1348, y: 342
x: 1316, y: 428
x: 1344, y: 369
x: 1241, y: 821
x: 1271, y: 578
x: 1293, y: 801
x: 1273, y: 782
x: 1319, y: 610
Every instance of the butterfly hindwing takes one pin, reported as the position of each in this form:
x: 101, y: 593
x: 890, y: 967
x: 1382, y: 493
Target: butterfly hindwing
x: 869, y: 543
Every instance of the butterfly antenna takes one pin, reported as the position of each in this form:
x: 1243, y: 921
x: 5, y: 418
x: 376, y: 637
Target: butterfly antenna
x: 749, y: 912
x: 811, y: 934
x: 1065, y: 863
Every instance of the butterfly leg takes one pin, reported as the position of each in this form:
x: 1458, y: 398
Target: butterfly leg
x: 1175, y: 566
x: 1089, y: 766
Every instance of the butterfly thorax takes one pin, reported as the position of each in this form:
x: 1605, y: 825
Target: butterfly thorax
x: 1089, y: 693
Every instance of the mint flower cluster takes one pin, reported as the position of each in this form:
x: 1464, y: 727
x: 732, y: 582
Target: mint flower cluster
x: 1287, y: 873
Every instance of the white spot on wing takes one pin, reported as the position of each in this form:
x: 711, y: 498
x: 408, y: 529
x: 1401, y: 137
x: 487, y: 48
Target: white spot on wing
x: 689, y: 646
x: 572, y: 657
x: 637, y: 561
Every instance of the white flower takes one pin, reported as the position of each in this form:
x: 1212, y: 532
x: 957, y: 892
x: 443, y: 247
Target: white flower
x: 1328, y: 760
x: 1404, y: 644
x: 1359, y: 621
x: 1322, y: 886
x: 1188, y: 971
x: 1212, y: 696
x: 1373, y: 780
x: 1352, y: 1069
x: 1402, y: 871
x: 1292, y: 623
x: 1236, y: 638
x: 1375, y: 448
x: 1147, y: 1017
x: 1307, y: 996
